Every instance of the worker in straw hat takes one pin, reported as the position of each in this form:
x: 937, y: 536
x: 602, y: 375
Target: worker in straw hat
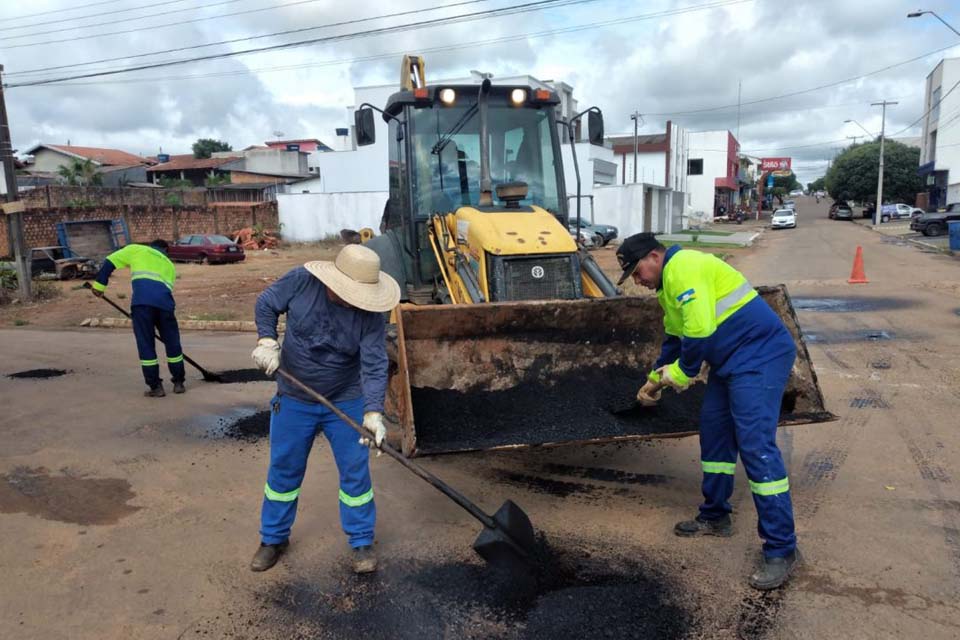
x: 335, y: 344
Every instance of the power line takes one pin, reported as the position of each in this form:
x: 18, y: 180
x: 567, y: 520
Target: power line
x: 809, y: 90
x: 928, y: 111
x: 92, y: 15
x: 510, y: 10
x: 143, y: 17
x: 382, y: 56
x: 63, y: 10
x: 245, y: 39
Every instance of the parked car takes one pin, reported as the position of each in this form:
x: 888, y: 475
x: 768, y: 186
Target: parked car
x: 897, y: 211
x: 602, y: 233
x: 843, y: 212
x: 210, y: 248
x: 784, y: 219
x: 796, y: 193
x: 832, y: 213
x: 936, y: 223
x: 587, y: 238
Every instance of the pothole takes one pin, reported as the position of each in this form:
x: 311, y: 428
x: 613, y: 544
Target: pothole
x: 850, y: 305
x: 38, y: 373
x: 240, y: 376
x: 836, y: 337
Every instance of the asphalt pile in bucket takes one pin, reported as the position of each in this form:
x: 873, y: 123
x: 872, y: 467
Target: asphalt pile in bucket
x: 583, y: 405
x: 575, y: 594
x: 239, y: 376
x: 38, y: 373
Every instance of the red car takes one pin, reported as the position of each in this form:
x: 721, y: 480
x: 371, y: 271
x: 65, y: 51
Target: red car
x: 210, y: 248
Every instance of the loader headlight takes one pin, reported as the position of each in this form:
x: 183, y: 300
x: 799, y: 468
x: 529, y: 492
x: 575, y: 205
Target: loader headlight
x: 518, y: 96
x: 448, y: 96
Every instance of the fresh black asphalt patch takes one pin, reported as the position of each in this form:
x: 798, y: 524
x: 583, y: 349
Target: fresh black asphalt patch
x: 239, y: 376
x: 38, y: 374
x: 851, y: 305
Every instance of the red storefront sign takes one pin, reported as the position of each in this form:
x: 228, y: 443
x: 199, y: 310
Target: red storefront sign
x: 775, y: 164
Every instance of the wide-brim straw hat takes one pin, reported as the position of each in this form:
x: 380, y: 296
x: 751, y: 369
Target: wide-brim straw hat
x: 355, y: 276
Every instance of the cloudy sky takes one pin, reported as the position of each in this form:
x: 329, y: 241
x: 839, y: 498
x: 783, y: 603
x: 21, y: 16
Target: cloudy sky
x: 669, y: 59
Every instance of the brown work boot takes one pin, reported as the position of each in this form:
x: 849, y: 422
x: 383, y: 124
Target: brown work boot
x: 179, y: 388
x: 364, y: 559
x: 267, y: 556
x: 155, y: 392
x: 723, y: 527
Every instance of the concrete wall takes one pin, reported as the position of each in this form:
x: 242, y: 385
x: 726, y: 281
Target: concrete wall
x: 712, y: 148
x: 587, y: 154
x: 49, y: 160
x: 309, y: 217
x: 623, y: 207
x: 275, y: 161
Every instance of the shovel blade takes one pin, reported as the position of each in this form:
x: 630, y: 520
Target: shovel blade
x: 511, y: 543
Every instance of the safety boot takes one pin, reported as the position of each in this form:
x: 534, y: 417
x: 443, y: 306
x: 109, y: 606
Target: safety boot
x: 267, y: 555
x: 364, y: 559
x: 775, y: 571
x: 179, y: 388
x: 722, y: 527
x: 155, y: 392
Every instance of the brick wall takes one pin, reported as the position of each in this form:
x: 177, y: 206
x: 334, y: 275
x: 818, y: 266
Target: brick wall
x: 144, y: 222
x: 53, y: 196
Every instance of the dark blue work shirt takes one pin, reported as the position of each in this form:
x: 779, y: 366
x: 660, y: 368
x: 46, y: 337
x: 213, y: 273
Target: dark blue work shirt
x: 338, y: 351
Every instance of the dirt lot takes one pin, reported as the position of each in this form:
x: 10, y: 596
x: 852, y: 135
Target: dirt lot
x: 123, y: 517
x: 209, y: 292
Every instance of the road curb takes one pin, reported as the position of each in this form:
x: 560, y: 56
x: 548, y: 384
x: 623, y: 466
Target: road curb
x: 189, y: 325
x: 913, y: 241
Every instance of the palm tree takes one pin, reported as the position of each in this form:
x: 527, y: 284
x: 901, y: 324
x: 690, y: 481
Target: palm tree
x: 82, y: 173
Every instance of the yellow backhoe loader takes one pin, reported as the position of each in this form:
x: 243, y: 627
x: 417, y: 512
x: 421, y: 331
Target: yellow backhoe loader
x: 510, y: 334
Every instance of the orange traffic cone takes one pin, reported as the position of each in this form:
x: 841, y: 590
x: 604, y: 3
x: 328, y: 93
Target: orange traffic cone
x: 858, y: 276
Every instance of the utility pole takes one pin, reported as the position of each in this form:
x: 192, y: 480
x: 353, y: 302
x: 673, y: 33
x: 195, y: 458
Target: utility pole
x: 636, y: 117
x: 739, y: 87
x: 13, y: 208
x: 854, y: 138
x: 883, y: 126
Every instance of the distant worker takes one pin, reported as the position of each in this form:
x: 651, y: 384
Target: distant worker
x: 712, y: 315
x: 152, y: 309
x: 335, y: 344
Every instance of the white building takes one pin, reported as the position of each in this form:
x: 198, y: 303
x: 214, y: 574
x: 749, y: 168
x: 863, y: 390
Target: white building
x: 713, y: 166
x: 940, y: 144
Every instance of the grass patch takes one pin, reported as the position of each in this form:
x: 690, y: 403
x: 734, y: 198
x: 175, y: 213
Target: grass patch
x: 20, y: 322
x: 121, y: 296
x: 707, y: 245
x: 691, y: 232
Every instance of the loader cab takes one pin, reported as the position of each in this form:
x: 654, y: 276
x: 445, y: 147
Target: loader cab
x: 435, y: 160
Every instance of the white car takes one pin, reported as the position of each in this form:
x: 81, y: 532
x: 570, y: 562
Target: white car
x: 897, y: 211
x: 784, y: 219
x: 796, y: 193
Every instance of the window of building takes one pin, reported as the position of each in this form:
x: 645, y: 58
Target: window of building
x: 935, y: 104
x: 695, y: 167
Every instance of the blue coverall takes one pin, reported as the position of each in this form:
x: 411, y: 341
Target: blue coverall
x: 713, y: 315
x: 340, y: 352
x: 152, y: 276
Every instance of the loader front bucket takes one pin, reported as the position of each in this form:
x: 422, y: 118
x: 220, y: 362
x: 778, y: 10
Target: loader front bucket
x: 519, y: 374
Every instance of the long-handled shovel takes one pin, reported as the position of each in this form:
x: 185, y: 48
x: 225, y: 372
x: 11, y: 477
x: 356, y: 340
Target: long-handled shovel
x: 209, y: 376
x: 507, y: 539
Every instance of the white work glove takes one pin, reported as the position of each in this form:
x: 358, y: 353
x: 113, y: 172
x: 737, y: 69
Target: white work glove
x: 649, y: 394
x: 267, y: 355
x: 672, y: 376
x: 373, y: 422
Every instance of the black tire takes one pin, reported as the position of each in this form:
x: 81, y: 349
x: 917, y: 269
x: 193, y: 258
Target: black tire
x: 933, y: 229
x: 884, y: 218
x: 204, y: 259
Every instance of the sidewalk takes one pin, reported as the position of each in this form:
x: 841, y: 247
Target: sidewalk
x: 735, y: 239
x: 900, y: 229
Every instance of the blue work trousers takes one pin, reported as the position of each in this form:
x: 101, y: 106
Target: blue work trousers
x: 293, y: 426
x: 146, y: 319
x: 739, y: 415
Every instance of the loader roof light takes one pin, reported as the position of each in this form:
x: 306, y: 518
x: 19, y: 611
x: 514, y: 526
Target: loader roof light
x: 542, y: 94
x: 421, y: 94
x: 518, y: 96
x: 448, y: 96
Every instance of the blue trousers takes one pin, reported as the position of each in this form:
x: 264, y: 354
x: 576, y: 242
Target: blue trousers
x: 739, y: 415
x: 293, y: 426
x: 145, y: 320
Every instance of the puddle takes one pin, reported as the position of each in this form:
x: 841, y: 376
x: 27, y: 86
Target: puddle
x: 38, y: 373
x: 65, y: 498
x: 244, y: 424
x: 240, y: 376
x: 837, y: 337
x: 579, y: 593
x: 850, y: 305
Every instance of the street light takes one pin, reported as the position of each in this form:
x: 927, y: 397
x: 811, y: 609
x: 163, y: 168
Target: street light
x: 861, y: 126
x: 917, y: 14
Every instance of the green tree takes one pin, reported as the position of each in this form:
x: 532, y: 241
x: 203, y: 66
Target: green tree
x: 787, y: 183
x: 205, y: 147
x: 853, y: 175
x: 817, y: 185
x: 80, y: 173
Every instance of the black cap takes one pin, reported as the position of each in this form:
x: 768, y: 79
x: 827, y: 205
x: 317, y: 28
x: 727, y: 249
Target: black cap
x: 633, y: 250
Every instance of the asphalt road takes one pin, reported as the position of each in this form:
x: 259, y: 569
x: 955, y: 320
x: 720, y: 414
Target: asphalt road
x: 122, y: 517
